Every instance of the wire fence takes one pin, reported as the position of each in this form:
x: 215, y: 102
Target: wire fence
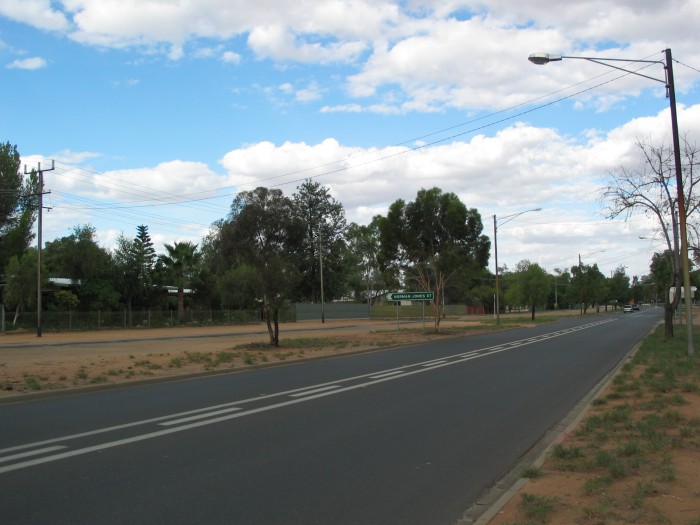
x: 52, y: 320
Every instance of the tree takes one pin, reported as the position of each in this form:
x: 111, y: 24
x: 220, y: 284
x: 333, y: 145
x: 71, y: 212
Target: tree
x: 562, y: 282
x: 264, y: 232
x: 587, y: 286
x: 18, y: 198
x: 181, y: 264
x: 531, y: 285
x: 135, y: 261
x: 324, y: 223
x: 239, y: 287
x: 21, y: 275
x: 427, y: 240
x: 90, y: 267
x: 619, y: 286
x: 361, y: 259
x: 650, y: 190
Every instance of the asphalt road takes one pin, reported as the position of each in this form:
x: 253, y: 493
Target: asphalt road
x: 401, y: 436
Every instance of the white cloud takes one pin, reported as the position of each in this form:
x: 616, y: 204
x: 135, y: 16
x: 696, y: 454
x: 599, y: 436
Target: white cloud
x: 521, y: 167
x: 37, y: 13
x: 231, y: 57
x: 30, y: 64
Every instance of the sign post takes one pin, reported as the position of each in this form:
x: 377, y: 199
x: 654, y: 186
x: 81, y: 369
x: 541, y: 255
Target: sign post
x: 410, y: 296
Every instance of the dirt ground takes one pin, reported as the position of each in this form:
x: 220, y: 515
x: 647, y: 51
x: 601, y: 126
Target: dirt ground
x: 67, y: 360
x: 645, y: 498
x: 36, y: 366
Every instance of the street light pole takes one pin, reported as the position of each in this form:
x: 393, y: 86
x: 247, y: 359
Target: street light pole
x: 495, y: 253
x: 545, y: 58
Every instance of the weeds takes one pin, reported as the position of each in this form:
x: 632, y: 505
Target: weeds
x: 625, y: 445
x: 531, y: 472
x: 32, y: 383
x: 538, y: 508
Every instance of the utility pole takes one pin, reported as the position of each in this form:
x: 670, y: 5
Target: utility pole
x: 38, y: 238
x: 320, y: 260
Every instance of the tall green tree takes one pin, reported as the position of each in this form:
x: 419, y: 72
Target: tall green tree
x: 20, y: 289
x: 182, y: 263
x: 324, y: 223
x: 18, y: 205
x: 426, y: 241
x: 531, y: 285
x: 90, y: 266
x: 561, y: 283
x: 619, y: 286
x: 588, y: 286
x: 265, y: 233
x: 135, y: 261
x: 363, y: 274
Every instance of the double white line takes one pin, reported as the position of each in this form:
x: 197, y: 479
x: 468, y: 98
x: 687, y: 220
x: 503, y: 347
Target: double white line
x: 55, y: 449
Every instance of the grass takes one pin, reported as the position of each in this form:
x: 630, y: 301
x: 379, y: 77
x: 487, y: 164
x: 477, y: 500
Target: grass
x: 623, y: 449
x: 536, y: 508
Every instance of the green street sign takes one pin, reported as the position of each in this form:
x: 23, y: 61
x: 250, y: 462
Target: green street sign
x: 410, y: 296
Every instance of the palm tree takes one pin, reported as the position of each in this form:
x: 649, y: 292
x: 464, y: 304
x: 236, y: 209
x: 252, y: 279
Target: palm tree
x: 181, y: 263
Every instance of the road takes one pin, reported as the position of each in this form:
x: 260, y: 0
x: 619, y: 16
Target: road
x: 400, y: 436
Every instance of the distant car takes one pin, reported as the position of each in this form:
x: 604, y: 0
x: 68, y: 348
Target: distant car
x: 635, y: 307
x: 627, y: 308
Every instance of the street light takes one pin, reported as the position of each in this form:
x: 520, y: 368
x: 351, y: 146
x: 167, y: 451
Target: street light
x: 495, y: 251
x: 545, y: 58
x: 580, y: 276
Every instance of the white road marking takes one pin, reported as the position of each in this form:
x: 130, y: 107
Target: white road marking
x: 387, y: 374
x: 314, y: 391
x: 31, y: 453
x: 199, y: 416
x: 301, y: 395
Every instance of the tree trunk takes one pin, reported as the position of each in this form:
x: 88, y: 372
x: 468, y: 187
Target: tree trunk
x: 277, y: 327
x: 129, y: 312
x: 436, y: 312
x: 181, y: 304
x: 272, y: 321
x: 668, y: 321
x: 533, y: 312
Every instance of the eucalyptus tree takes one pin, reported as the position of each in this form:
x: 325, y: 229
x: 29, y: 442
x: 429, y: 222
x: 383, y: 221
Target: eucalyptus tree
x: 363, y: 274
x: 649, y: 189
x: 262, y: 238
x: 21, y: 282
x: 323, y: 249
x: 531, y: 285
x: 426, y: 241
x: 181, y: 263
x: 18, y: 197
x: 90, y: 267
x: 588, y: 286
x: 619, y: 286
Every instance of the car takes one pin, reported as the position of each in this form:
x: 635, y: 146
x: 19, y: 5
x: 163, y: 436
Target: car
x: 635, y: 307
x: 627, y: 308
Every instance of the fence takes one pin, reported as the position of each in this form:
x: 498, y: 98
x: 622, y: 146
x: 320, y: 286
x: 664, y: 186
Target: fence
x: 72, y: 320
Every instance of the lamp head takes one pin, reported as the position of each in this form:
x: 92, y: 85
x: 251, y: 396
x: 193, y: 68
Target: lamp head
x: 543, y: 58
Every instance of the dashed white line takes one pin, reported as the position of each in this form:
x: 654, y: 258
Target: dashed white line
x: 32, y: 453
x: 199, y: 416
x: 314, y: 391
x: 388, y: 374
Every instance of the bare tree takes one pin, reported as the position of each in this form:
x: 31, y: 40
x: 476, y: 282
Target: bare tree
x: 650, y: 190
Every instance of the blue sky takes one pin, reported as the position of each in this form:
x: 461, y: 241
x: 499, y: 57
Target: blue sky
x: 157, y: 112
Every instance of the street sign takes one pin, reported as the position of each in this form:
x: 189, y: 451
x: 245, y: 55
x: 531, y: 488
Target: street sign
x: 410, y: 296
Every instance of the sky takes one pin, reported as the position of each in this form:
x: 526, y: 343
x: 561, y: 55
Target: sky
x: 158, y: 112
